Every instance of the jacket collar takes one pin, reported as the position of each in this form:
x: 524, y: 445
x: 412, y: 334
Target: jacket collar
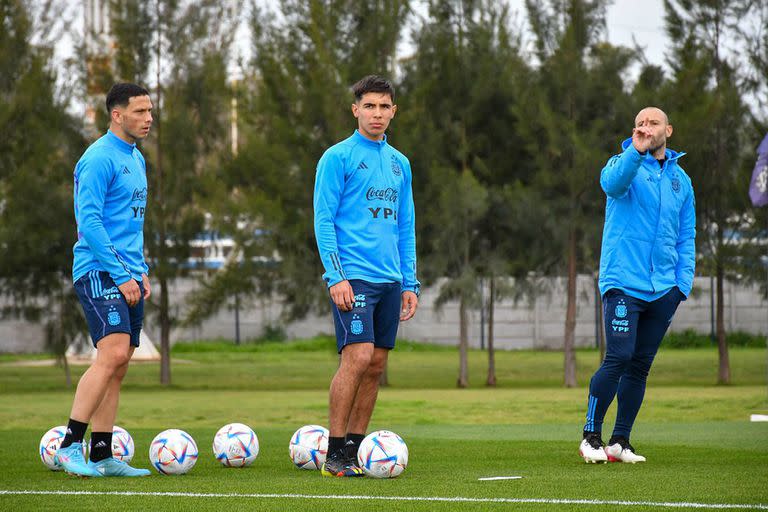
x: 119, y: 143
x: 368, y: 142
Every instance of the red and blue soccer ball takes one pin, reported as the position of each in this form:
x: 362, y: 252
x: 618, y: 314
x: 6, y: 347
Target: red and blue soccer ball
x: 173, y: 452
x: 309, y: 446
x: 236, y: 445
x: 383, y: 454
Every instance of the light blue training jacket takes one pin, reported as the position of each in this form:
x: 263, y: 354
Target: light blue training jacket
x: 110, y: 203
x: 365, y: 223
x: 650, y: 225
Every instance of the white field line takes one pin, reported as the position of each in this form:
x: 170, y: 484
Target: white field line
x: 543, y: 501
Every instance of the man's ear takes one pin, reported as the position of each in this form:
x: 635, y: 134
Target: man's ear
x: 355, y: 110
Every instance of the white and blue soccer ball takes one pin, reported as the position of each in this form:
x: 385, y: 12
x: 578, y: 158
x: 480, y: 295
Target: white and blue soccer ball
x: 173, y: 452
x: 383, y: 454
x: 235, y: 445
x: 50, y: 443
x: 122, y: 444
x: 309, y: 446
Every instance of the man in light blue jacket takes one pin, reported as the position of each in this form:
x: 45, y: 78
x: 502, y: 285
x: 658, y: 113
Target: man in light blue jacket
x: 110, y: 276
x: 366, y: 237
x: 646, y: 269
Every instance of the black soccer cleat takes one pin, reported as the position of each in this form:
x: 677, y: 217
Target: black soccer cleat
x: 338, y: 464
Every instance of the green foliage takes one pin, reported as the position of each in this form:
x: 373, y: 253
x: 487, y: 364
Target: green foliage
x: 40, y: 144
x: 131, y: 24
x: 310, y: 365
x: 691, y: 339
x: 272, y: 344
x: 316, y: 344
x: 578, y: 114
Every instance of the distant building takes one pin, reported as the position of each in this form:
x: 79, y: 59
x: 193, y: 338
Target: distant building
x: 99, y: 60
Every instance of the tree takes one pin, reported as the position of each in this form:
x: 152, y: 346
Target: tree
x: 458, y: 124
x: 707, y: 88
x: 40, y: 145
x: 190, y: 138
x: 707, y: 92
x: 452, y: 250
x: 577, y: 108
x: 184, y: 49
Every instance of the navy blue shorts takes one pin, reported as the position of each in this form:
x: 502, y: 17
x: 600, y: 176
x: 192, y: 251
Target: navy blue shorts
x: 106, y: 309
x: 374, y: 318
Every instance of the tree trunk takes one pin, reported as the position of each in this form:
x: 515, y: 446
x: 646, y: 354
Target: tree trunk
x: 463, y: 380
x: 165, y: 333
x: 570, y: 314
x: 724, y: 367
x: 63, y: 343
x: 165, y: 323
x: 384, y: 379
x: 491, y: 381
x: 67, y: 371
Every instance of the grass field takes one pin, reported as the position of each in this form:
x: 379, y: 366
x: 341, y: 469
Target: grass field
x: 700, y: 445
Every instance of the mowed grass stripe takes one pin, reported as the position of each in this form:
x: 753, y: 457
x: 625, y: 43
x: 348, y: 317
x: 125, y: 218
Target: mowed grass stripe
x: 160, y: 408
x: 451, y: 499
x: 407, y: 370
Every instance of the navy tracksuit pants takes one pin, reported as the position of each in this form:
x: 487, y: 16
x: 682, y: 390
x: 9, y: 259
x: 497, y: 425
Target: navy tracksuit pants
x: 634, y: 329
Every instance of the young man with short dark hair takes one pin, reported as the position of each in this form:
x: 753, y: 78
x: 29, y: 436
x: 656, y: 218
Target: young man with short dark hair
x: 110, y: 276
x: 365, y: 230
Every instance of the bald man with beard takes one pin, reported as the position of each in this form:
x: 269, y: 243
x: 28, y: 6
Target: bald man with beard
x: 647, y: 264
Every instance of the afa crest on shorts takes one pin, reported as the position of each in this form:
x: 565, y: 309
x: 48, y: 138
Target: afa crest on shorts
x: 113, y: 317
x: 621, y: 310
x: 356, y: 327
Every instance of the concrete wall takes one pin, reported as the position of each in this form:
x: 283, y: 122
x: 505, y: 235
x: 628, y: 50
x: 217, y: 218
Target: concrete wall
x: 537, y: 323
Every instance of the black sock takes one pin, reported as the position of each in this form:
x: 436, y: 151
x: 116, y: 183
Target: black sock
x: 618, y: 439
x: 101, y: 446
x: 75, y: 433
x: 353, y: 444
x: 335, y: 445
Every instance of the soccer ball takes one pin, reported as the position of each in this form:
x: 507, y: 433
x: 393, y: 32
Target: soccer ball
x: 50, y: 443
x: 173, y: 452
x: 122, y: 444
x: 309, y: 446
x: 383, y: 454
x: 235, y: 445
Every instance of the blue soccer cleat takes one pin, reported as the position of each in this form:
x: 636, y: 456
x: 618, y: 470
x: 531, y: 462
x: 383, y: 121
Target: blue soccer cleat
x: 114, y: 467
x: 72, y: 461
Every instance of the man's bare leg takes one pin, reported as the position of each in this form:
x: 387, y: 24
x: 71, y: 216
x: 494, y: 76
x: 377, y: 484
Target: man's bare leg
x: 367, y: 392
x: 355, y: 360
x: 103, y: 418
